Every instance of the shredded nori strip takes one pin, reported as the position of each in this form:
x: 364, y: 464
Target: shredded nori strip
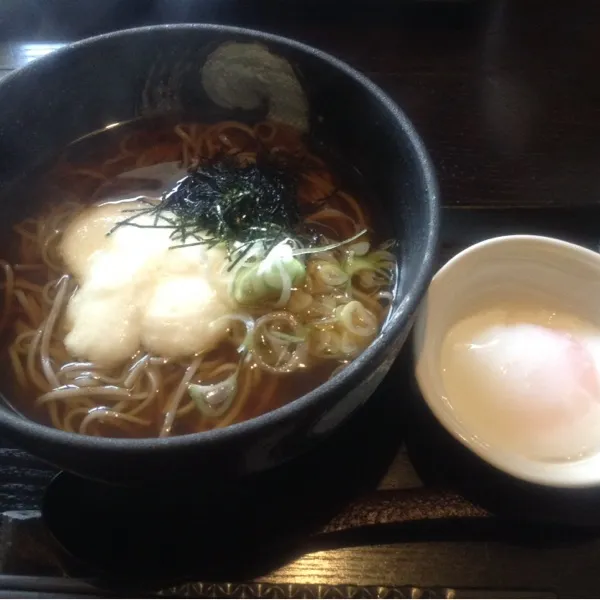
x: 222, y: 201
x: 233, y: 202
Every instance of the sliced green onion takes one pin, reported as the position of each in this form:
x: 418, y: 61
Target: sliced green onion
x: 349, y: 345
x: 299, y: 301
x: 293, y: 359
x: 383, y: 258
x: 331, y: 274
x: 355, y: 264
x: 216, y: 399
x: 357, y: 319
x: 294, y: 269
x: 285, y: 286
x: 328, y: 247
x: 373, y: 279
x: 248, y: 286
x: 360, y: 249
x: 248, y: 323
x: 275, y: 273
x: 380, y: 262
x: 323, y: 306
x: 287, y: 337
x: 387, y: 296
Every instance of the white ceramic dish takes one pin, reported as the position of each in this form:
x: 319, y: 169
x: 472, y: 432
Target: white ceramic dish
x: 535, y: 268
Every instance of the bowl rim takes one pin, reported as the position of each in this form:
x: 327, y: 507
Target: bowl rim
x: 432, y: 399
x: 12, y: 422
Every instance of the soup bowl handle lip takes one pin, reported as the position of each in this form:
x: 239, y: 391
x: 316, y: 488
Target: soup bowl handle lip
x: 403, y: 307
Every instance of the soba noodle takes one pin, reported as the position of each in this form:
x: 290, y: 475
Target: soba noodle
x: 274, y: 351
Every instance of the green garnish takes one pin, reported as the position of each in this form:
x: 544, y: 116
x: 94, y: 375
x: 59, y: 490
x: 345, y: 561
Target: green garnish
x: 378, y: 261
x: 328, y: 247
x: 214, y: 400
x: 274, y: 276
x: 223, y: 202
x: 252, y: 211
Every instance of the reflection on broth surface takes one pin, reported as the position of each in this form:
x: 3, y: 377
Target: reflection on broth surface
x: 184, y: 276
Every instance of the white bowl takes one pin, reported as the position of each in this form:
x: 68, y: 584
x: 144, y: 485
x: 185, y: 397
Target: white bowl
x: 535, y: 268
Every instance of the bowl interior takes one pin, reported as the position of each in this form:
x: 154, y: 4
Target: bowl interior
x: 157, y: 71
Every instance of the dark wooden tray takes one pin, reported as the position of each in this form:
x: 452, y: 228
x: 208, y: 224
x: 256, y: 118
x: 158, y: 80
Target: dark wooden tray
x: 505, y: 97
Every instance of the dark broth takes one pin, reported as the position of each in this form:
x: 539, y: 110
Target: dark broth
x: 87, y: 170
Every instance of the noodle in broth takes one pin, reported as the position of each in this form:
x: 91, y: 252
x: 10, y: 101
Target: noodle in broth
x: 274, y: 351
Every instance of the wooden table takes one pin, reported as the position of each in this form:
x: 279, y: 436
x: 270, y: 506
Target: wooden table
x: 507, y: 98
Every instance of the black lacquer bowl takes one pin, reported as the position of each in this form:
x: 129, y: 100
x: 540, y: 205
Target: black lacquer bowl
x: 157, y: 71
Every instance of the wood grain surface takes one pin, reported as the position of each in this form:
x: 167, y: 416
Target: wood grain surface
x: 507, y: 99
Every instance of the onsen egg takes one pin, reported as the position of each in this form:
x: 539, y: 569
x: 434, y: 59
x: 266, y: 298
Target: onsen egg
x: 527, y: 384
x: 137, y: 292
